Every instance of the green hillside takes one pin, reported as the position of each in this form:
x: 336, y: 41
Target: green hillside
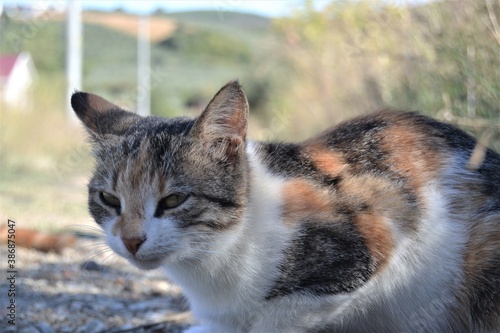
x: 223, y: 19
x: 222, y: 46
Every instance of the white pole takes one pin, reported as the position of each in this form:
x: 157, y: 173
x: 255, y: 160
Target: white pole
x: 143, y: 67
x: 73, y: 52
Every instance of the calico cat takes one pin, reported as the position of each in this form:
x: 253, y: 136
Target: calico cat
x: 377, y: 225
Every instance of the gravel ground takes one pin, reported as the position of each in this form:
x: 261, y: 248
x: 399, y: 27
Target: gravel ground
x: 88, y: 290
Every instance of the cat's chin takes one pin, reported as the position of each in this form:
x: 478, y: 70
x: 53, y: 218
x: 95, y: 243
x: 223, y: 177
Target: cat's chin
x: 146, y: 264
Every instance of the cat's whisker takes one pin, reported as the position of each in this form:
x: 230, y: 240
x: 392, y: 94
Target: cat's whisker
x: 96, y: 254
x: 127, y: 275
x: 98, y: 247
x: 178, y: 247
x: 90, y: 259
x: 95, y: 243
x: 99, y: 244
x: 191, y: 264
x: 112, y: 254
x: 95, y: 246
x: 197, y: 233
x: 102, y: 250
x: 77, y: 227
x: 205, y: 251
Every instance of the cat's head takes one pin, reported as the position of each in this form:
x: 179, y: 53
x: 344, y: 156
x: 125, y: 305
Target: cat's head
x: 166, y: 190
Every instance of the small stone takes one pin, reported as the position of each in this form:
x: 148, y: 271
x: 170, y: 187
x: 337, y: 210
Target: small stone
x: 115, y: 306
x: 155, y: 316
x: 43, y: 327
x: 91, y: 265
x: 66, y: 329
x: 127, y: 285
x: 76, y: 306
x: 159, y: 288
x: 29, y: 329
x: 126, y: 327
x: 40, y: 306
x: 120, y: 281
x: 93, y: 326
x: 150, y: 304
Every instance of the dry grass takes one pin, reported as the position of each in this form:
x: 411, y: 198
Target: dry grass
x: 44, y: 163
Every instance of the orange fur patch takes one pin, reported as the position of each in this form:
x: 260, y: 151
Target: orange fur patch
x: 128, y: 227
x: 327, y: 161
x: 138, y: 169
x: 161, y: 180
x: 129, y: 224
x: 302, y: 200
x: 377, y: 237
x: 410, y: 157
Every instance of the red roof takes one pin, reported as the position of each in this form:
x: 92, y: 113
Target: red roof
x: 7, y: 62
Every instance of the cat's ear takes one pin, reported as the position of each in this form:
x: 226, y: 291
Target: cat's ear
x: 223, y: 123
x: 101, y: 116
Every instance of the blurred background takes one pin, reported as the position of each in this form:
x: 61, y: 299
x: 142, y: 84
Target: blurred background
x: 305, y: 65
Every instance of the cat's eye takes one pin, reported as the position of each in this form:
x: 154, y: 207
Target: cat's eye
x: 110, y: 200
x: 173, y: 201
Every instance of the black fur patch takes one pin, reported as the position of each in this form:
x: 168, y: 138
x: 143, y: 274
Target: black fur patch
x: 324, y: 259
x: 491, y: 176
x: 289, y: 160
x: 359, y: 142
x: 485, y: 302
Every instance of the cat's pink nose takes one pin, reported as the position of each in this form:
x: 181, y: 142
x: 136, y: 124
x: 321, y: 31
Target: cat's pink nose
x: 133, y: 244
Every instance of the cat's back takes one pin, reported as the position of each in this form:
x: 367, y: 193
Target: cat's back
x: 400, y: 146
x: 418, y: 216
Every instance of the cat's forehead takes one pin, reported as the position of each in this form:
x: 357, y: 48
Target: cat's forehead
x: 156, y: 130
x: 158, y: 136
x: 151, y: 126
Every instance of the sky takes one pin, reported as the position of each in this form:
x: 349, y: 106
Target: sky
x: 269, y: 8
x: 266, y: 8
